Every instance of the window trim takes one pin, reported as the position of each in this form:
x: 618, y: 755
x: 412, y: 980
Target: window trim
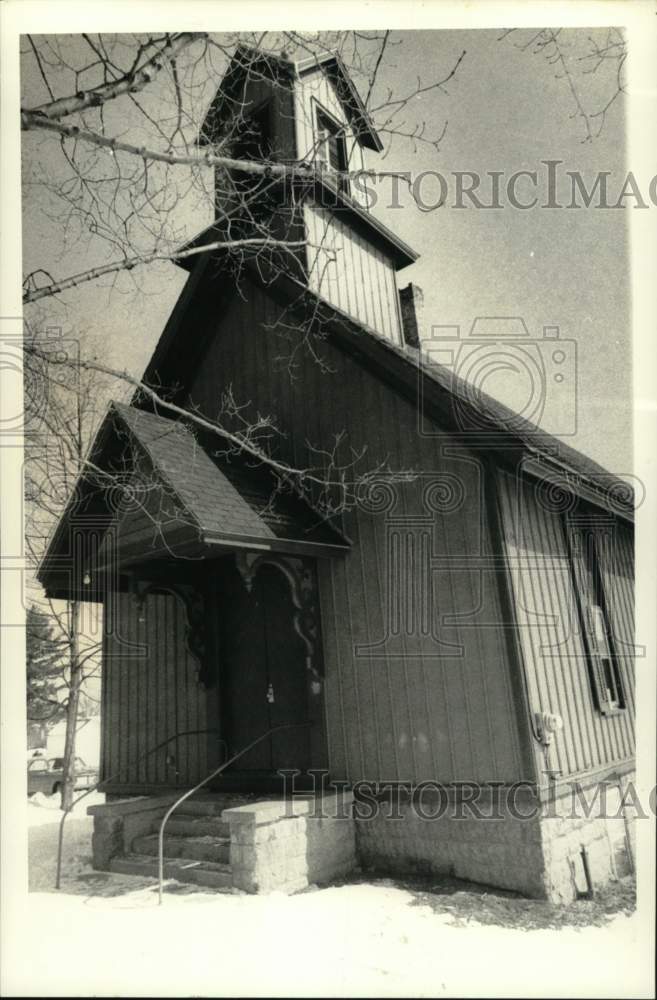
x: 606, y: 661
x: 585, y: 569
x: 340, y: 133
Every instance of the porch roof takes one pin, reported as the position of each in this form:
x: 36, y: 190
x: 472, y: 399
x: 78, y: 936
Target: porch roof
x: 167, y: 492
x: 227, y: 497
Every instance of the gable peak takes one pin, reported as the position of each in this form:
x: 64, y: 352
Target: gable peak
x: 279, y: 69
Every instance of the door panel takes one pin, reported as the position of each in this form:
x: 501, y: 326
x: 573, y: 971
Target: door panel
x: 243, y: 658
x: 287, y: 674
x: 263, y: 660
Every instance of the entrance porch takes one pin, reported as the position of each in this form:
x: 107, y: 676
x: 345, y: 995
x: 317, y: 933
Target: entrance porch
x: 207, y: 570
x: 228, y: 841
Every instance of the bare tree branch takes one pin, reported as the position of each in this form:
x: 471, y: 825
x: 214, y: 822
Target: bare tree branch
x: 340, y: 475
x: 131, y: 82
x: 34, y: 294
x: 553, y: 45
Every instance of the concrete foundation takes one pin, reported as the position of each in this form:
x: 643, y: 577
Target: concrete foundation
x: 600, y: 845
x: 559, y: 849
x: 547, y: 850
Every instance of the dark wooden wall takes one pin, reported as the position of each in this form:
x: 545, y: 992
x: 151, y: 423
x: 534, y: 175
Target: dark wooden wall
x: 550, y: 628
x: 150, y: 692
x: 409, y: 706
x: 410, y: 711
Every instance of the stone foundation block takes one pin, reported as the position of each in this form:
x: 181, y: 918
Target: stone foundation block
x: 119, y: 822
x: 285, y: 846
x: 535, y: 848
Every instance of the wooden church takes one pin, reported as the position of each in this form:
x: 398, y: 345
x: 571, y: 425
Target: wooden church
x: 441, y: 606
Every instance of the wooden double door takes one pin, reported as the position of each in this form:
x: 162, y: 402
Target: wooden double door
x: 265, y: 680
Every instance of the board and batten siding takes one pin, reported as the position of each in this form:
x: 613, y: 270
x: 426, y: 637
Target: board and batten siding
x: 150, y: 693
x: 351, y: 273
x: 407, y: 709
x: 550, y: 631
x: 313, y: 90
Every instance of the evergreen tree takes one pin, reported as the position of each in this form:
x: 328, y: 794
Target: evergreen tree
x: 46, y: 661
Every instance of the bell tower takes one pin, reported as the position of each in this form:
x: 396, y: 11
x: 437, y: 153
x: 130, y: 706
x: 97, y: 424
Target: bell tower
x: 274, y: 110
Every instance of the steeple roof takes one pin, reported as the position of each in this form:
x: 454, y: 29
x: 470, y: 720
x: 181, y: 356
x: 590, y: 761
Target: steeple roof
x: 253, y: 64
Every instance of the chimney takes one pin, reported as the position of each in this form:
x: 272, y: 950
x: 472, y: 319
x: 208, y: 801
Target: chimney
x: 410, y: 301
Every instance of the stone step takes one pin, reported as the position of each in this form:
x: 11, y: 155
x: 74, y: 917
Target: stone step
x: 210, y: 874
x: 214, y: 804
x: 193, y: 848
x: 191, y: 825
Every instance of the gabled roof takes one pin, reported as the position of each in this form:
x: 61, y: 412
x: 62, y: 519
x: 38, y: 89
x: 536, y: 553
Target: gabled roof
x: 187, y: 469
x: 478, y: 420
x: 230, y: 499
x: 253, y: 63
x: 197, y: 504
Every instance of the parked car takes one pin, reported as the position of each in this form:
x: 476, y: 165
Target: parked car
x: 46, y: 774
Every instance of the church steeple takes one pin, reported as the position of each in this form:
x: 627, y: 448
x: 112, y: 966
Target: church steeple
x: 275, y: 110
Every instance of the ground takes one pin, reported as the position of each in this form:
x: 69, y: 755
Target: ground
x: 366, y: 937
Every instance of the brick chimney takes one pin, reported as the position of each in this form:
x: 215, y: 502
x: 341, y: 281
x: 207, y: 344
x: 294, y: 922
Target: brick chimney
x: 410, y: 301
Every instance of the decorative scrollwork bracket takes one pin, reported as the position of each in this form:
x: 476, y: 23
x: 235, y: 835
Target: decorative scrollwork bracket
x: 300, y: 574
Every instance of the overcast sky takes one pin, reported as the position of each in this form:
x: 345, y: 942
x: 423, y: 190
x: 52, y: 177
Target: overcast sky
x: 506, y: 111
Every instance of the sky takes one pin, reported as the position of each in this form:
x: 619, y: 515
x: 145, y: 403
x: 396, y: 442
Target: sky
x: 506, y: 110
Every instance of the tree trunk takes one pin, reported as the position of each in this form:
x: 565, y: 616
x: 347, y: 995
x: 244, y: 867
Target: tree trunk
x: 68, y: 778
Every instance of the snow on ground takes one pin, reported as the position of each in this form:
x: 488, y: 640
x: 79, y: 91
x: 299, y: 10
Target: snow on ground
x: 44, y: 815
x: 105, y: 935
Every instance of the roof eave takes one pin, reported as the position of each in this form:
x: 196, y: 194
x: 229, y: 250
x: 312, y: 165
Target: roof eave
x: 401, y: 366
x: 402, y: 253
x: 289, y: 546
x: 365, y: 132
x: 97, y: 446
x: 330, y: 197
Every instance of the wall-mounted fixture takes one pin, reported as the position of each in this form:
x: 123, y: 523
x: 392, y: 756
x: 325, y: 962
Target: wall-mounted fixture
x: 547, y: 724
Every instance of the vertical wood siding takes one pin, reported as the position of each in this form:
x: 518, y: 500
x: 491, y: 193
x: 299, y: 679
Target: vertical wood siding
x: 311, y: 90
x: 410, y: 710
x: 351, y: 273
x: 150, y: 693
x: 550, y: 630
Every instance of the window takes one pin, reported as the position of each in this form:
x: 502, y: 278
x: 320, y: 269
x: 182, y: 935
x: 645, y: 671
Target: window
x: 604, y: 666
x: 608, y: 669
x: 332, y: 148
